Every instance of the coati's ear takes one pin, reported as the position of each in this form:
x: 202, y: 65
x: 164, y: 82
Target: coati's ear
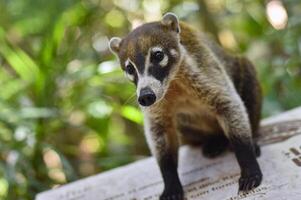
x: 171, y: 20
x: 114, y: 44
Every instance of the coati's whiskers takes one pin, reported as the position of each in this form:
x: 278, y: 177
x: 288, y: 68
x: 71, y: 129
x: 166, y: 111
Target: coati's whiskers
x: 130, y: 99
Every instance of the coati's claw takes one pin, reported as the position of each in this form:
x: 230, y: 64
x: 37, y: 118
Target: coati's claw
x: 214, y: 146
x: 248, y: 182
x: 175, y: 195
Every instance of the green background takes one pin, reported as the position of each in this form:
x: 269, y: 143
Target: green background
x: 66, y: 110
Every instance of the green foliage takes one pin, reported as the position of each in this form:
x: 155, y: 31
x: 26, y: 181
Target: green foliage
x: 66, y: 111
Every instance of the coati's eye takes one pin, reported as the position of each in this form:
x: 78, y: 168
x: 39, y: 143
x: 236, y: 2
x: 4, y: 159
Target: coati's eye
x: 129, y: 68
x: 157, y: 56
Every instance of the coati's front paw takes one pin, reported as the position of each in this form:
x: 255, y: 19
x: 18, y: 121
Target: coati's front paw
x: 249, y: 180
x: 174, y: 194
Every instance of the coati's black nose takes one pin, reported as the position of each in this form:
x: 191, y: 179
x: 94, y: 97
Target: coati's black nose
x: 147, y: 97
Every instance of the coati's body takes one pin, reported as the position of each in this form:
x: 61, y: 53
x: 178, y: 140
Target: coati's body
x: 182, y: 100
x: 192, y: 92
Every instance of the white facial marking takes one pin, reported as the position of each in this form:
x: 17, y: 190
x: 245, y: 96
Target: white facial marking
x: 154, y: 49
x: 130, y: 76
x: 164, y: 61
x: 147, y: 63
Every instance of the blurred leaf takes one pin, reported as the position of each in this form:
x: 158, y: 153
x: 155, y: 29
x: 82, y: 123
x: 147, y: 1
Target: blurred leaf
x: 21, y: 62
x: 60, y: 84
x: 132, y: 113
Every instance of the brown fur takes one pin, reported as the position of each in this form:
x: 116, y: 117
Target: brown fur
x: 239, y: 69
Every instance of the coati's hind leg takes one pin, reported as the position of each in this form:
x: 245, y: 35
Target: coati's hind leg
x: 250, y: 92
x: 215, y: 145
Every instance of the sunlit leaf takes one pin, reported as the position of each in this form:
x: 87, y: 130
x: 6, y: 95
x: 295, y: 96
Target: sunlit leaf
x: 20, y: 62
x: 132, y: 113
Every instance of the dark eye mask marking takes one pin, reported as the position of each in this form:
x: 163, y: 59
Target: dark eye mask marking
x: 131, y: 71
x: 159, y: 72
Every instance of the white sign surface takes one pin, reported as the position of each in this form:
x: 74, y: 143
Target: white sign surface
x: 203, y: 178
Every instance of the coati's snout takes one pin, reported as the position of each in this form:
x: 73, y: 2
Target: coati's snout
x: 147, y: 97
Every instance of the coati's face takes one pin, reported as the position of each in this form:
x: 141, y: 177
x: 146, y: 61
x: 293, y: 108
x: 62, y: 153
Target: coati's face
x: 150, y: 56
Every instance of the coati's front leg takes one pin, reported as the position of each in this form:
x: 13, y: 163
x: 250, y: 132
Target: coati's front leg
x: 233, y: 118
x: 161, y: 140
x: 216, y: 90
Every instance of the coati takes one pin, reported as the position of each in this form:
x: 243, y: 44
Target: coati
x: 192, y: 92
